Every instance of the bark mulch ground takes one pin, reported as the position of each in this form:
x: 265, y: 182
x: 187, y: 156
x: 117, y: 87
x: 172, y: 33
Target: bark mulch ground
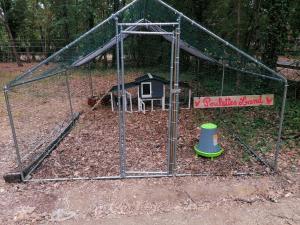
x: 92, y: 148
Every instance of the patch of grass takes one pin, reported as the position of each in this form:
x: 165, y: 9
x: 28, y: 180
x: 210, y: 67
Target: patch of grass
x: 5, y: 77
x: 292, y: 116
x: 254, y: 126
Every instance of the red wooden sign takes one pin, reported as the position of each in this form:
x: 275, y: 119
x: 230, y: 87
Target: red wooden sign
x: 233, y: 101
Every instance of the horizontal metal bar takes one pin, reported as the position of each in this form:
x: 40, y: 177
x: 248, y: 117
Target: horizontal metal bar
x: 148, y: 176
x: 72, y: 179
x: 147, y: 33
x: 137, y: 177
x: 146, y: 172
x: 148, y: 24
x: 204, y: 174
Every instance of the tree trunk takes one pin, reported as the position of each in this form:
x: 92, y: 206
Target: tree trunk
x: 28, y: 55
x: 116, y: 7
x: 253, y: 27
x: 12, y: 41
x: 238, y: 23
x: 238, y: 79
x: 66, y: 25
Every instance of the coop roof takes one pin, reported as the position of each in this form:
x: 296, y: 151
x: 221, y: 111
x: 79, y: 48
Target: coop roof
x: 145, y: 78
x: 195, y: 39
x: 148, y: 77
x: 139, y: 80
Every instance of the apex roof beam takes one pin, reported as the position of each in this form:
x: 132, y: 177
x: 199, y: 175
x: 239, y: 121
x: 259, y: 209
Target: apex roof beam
x: 148, y: 24
x: 147, y: 33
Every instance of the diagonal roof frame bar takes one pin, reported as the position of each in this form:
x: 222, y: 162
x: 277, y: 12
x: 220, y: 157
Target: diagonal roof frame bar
x: 102, y: 49
x: 183, y: 45
x: 224, y: 42
x: 70, y: 45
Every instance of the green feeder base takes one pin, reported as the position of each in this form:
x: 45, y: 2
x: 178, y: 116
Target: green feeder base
x: 208, y: 154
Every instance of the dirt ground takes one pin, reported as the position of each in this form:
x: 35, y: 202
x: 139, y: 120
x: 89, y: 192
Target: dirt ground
x: 273, y: 199
x: 260, y: 200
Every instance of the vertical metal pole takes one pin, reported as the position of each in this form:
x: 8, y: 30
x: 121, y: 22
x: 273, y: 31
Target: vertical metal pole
x: 190, y: 98
x: 174, y: 101
x: 125, y: 102
x: 112, y: 101
x: 123, y: 105
x: 13, y: 130
x: 91, y: 80
x: 163, y: 100
x: 119, y: 96
x: 139, y: 103
x: 278, y: 144
x: 69, y: 94
x: 177, y: 91
x: 170, y: 130
x: 131, y: 110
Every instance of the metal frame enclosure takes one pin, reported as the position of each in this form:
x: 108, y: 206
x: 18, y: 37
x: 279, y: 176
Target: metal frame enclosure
x: 24, y: 173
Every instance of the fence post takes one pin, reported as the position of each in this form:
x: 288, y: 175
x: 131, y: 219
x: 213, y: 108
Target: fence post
x: 278, y: 144
x: 169, y: 148
x: 174, y: 102
x: 120, y: 93
x: 123, y: 174
x: 13, y: 130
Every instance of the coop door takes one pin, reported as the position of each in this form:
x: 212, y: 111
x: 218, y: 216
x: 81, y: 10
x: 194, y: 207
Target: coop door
x: 146, y: 90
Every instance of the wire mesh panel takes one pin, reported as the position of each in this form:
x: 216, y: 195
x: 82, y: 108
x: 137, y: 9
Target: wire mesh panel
x: 40, y: 114
x: 146, y: 129
x: 92, y: 148
x: 255, y: 127
x: 244, y: 76
x: 242, y: 131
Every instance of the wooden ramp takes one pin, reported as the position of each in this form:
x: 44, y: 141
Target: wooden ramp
x: 99, y: 101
